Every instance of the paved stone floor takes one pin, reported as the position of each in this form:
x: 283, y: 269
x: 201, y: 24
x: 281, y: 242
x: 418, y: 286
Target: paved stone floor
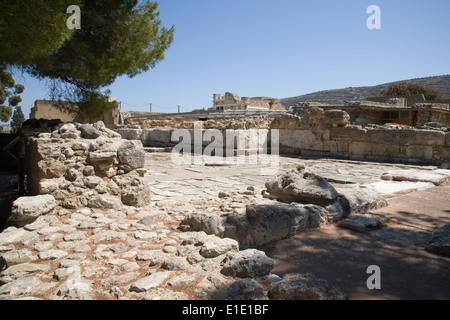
x: 332, y: 253
x: 108, y: 252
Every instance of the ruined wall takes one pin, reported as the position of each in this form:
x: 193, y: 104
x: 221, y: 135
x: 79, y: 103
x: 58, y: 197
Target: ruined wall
x: 86, y: 165
x: 372, y: 144
x: 44, y: 109
x: 315, y: 132
x: 426, y: 115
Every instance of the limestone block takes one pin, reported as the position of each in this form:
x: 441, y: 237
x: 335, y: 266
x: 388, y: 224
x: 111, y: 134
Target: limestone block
x: 130, y: 134
x: 210, y: 223
x: 157, y: 135
x: 429, y: 137
x: 216, y: 247
x: 348, y: 133
x: 336, y: 118
x: 445, y: 154
x: 404, y: 136
x: 339, y: 146
x: 50, y: 168
x: 304, y: 287
x: 27, y: 209
x: 300, y: 186
x: 105, y: 202
x: 440, y: 241
x: 360, y: 148
x: 273, y: 222
x: 392, y: 150
x: 379, y: 149
x: 48, y: 186
x: 316, y: 140
x: 137, y: 196
x: 250, y: 263
x: 419, y: 152
x: 89, y: 131
x: 288, y: 138
x: 132, y: 154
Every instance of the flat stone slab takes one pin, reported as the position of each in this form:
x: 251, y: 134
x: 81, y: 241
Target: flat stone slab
x: 356, y: 200
x: 363, y: 222
x: 149, y: 282
x: 437, y: 179
x: 440, y: 241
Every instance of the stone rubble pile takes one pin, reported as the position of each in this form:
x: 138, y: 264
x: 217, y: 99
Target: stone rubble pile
x: 127, y: 253
x: 296, y: 201
x: 85, y: 165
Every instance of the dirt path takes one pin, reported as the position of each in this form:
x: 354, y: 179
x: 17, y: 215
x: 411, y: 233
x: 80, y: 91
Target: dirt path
x: 342, y: 256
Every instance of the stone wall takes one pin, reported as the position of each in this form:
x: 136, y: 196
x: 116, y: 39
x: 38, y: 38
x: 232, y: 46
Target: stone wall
x: 45, y: 109
x: 86, y: 165
x: 315, y: 132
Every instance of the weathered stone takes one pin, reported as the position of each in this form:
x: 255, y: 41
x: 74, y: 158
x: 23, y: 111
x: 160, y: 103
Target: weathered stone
x: 183, y: 280
x: 20, y: 287
x: 301, y: 186
x: 38, y: 224
x: 152, y: 281
x: 27, y: 209
x: 72, y: 174
x: 42, y: 245
x: 12, y: 235
x: 89, y: 132
x: 272, y: 222
x: 76, y: 288
x: 74, y: 202
x: 22, y: 270
x: 14, y: 257
x: 132, y: 154
x: 304, y: 287
x: 211, y: 223
x: 92, y: 181
x: 217, y: 247
x: 154, y: 257
x: 416, y: 175
x: 48, y: 186
x: 50, y: 169
x: 360, y: 201
x: 440, y: 241
x: 105, y: 201
x: 52, y: 254
x: 146, y: 221
x: 250, y: 263
x: 74, y: 236
x: 109, y: 235
x: 88, y: 171
x: 335, y: 212
x: 175, y: 264
x: 136, y: 196
x: 363, y: 222
x: 336, y: 118
x: 246, y: 289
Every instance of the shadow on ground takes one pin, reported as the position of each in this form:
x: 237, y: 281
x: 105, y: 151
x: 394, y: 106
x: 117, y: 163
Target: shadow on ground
x: 342, y: 257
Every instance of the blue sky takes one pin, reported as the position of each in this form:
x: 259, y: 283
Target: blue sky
x: 281, y: 49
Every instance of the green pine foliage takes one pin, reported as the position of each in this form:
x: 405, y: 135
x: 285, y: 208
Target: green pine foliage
x: 116, y: 38
x: 9, y: 92
x: 405, y: 88
x: 17, y: 119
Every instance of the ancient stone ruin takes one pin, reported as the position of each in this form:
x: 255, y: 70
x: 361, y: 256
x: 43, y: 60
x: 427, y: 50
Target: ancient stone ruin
x: 109, y: 216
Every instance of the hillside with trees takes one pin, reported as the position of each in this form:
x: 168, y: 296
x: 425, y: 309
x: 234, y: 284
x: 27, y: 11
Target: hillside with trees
x: 440, y: 84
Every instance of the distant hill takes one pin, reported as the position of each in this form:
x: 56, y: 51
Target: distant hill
x: 339, y: 96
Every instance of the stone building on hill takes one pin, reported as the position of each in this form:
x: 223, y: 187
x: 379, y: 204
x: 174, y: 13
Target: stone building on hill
x: 412, y: 110
x: 232, y: 102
